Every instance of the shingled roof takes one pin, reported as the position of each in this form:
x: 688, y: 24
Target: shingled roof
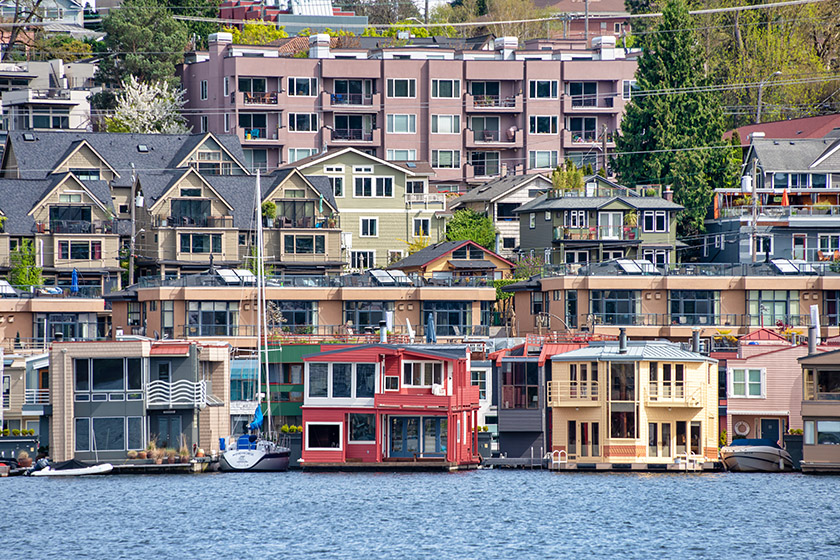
x: 801, y: 155
x: 593, y: 203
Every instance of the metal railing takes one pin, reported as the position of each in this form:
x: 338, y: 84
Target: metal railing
x: 781, y: 211
x: 672, y: 394
x: 350, y: 99
x: 194, y: 221
x: 357, y: 134
x: 597, y: 233
x: 427, y: 198
x: 579, y: 101
x: 52, y: 93
x: 78, y: 226
x: 690, y: 269
x: 36, y: 396
x: 263, y: 98
x: 176, y: 393
x: 494, y: 101
x: 573, y: 393
x: 331, y: 333
x: 319, y: 281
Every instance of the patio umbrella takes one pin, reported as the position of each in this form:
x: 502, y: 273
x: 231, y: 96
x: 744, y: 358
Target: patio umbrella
x: 431, y: 335
x: 74, y: 282
x: 785, y: 200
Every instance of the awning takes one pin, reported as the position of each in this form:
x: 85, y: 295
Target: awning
x: 40, y: 361
x: 731, y: 412
x: 169, y: 349
x: 245, y: 368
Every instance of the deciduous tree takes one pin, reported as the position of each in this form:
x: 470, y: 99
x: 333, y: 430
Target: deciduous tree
x: 469, y: 224
x: 24, y: 273
x: 257, y: 33
x: 148, y: 109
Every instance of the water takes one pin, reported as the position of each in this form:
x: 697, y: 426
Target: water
x: 480, y: 515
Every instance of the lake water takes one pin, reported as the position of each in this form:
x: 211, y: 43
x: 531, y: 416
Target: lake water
x: 480, y: 514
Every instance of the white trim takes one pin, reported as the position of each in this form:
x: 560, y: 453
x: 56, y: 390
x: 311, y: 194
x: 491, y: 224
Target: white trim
x: 332, y: 155
x: 375, y: 227
x: 372, y: 412
x: 340, y: 436
x: 736, y: 412
x: 730, y: 381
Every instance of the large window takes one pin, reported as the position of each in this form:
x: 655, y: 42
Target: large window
x: 615, y: 307
x: 362, y: 259
x: 478, y: 378
x: 695, y: 307
x: 446, y: 124
x: 655, y: 221
x: 341, y: 380
x: 448, y: 89
x: 543, y: 89
x: 542, y: 159
x: 300, y: 153
x: 80, y: 250
x: 485, y: 163
x: 109, y: 434
x: 543, y: 124
x: 402, y: 124
x: 746, y: 383
x: 323, y: 436
x: 422, y: 374
x: 402, y: 87
x: 201, y: 243
x: 361, y: 314
x: 584, y: 94
x: 362, y: 428
x: 373, y: 187
x: 623, y: 407
x: 303, y: 122
x: 304, y: 244
x: 583, y: 129
x: 446, y: 159
x: 771, y: 306
x: 109, y: 375
x: 294, y: 316
x: 70, y: 219
x: 520, y: 385
x: 212, y: 318
x: 254, y: 125
x: 303, y: 87
x: 452, y: 318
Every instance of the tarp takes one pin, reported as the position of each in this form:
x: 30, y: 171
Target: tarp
x: 258, y: 419
x: 71, y: 464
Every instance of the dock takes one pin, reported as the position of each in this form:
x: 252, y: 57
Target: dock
x: 195, y: 465
x: 565, y: 466
x: 387, y: 466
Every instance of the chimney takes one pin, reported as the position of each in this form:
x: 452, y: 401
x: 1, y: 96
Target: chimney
x: 695, y: 341
x: 383, y: 332
x: 506, y: 46
x: 606, y: 47
x: 218, y: 42
x: 668, y: 194
x: 812, y: 340
x: 319, y: 46
x: 622, y: 340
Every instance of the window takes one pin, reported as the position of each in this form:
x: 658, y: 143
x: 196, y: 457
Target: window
x: 659, y: 257
x: 488, y: 92
x: 254, y: 125
x: 394, y: 256
x: 293, y: 316
x: 80, y: 250
x: 362, y: 259
x: 577, y: 218
x: 201, y: 243
x: 323, y: 436
x: 508, y: 242
x: 318, y: 374
x: 402, y: 124
x: 764, y: 244
x: 770, y: 306
x: 832, y: 306
x: 655, y: 221
x: 422, y: 227
x: 337, y: 184
x: 747, y: 383
x: 203, y: 89
x: 543, y: 124
x: 448, y: 89
x: 623, y: 421
x: 392, y: 383
x: 226, y: 86
x: 304, y: 244
x: 300, y: 153
x: 212, y: 318
x: 537, y: 300
x: 167, y: 318
x: 446, y: 124
x: 203, y: 124
x: 542, y: 159
x: 365, y: 380
x: 363, y: 314
x: 628, y: 87
x: 543, y: 89
x: 362, y: 428
x: 369, y: 227
x: 829, y: 243
x: 583, y: 129
x: 572, y: 310
x: 401, y: 155
x: 615, y: 307
x: 303, y: 87
x: 422, y: 374
x: 520, y: 385
x: 227, y: 122
x: 695, y: 307
x: 446, y: 159
x: 42, y: 118
x: 584, y: 94
x: 303, y: 122
x: 82, y: 175
x: 109, y: 434
x: 415, y: 187
x: 373, y: 187
x: 532, y: 220
x: 452, y: 318
x: 82, y: 427
x: 485, y: 164
x: 401, y: 87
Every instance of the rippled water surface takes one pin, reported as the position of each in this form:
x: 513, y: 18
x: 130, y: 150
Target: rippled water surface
x: 481, y: 515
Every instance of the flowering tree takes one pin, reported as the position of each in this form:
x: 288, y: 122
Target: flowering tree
x: 149, y: 109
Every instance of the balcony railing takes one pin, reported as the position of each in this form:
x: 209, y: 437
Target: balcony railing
x: 320, y: 281
x: 781, y: 211
x: 255, y: 133
x: 194, y: 221
x: 425, y: 198
x: 52, y: 93
x: 263, y: 98
x: 7, y: 401
x: 307, y: 222
x: 350, y: 99
x: 673, y: 394
x: 587, y: 101
x: 356, y: 134
x: 573, y: 393
x: 36, y: 396
x: 77, y: 226
x: 597, y: 233
x: 494, y: 101
x: 177, y: 393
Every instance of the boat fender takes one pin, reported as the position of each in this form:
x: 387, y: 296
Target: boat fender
x: 742, y: 428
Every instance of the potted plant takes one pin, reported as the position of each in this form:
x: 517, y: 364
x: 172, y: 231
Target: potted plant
x: 269, y: 212
x: 24, y: 460
x: 158, y: 456
x: 131, y: 454
x: 15, y: 432
x: 171, y: 456
x: 200, y: 452
x: 141, y: 455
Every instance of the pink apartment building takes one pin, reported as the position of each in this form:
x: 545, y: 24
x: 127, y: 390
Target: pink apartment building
x: 478, y: 111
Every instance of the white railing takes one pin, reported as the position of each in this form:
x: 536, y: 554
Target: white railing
x: 678, y: 393
x: 36, y: 396
x: 176, y: 393
x: 573, y: 393
x: 6, y: 401
x: 430, y: 198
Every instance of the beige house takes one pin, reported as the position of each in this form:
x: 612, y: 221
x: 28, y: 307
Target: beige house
x: 637, y: 403
x: 821, y: 412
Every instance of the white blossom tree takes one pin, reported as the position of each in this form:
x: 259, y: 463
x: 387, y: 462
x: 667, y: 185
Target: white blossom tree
x: 148, y: 109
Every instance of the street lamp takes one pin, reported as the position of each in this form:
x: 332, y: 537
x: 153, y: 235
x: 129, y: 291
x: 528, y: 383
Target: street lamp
x: 760, y: 90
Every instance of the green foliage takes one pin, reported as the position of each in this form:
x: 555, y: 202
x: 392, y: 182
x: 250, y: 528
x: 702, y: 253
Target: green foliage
x: 416, y: 244
x: 567, y: 177
x: 528, y: 266
x: 499, y: 284
x: 145, y: 41
x: 379, y: 12
x: 24, y: 273
x: 65, y: 47
x: 257, y: 33
x: 670, y: 139
x: 722, y: 441
x: 469, y: 224
x: 269, y: 209
x: 199, y: 30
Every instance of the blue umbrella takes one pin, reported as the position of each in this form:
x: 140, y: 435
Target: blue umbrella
x: 74, y: 283
x: 431, y: 335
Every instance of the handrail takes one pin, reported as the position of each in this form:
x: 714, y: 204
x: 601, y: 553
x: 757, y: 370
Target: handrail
x: 36, y: 396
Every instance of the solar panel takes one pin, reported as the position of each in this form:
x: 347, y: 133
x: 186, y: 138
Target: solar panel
x: 785, y: 266
x: 628, y: 266
x: 245, y: 276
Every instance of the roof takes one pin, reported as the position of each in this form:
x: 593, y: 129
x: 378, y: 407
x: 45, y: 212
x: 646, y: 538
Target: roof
x: 654, y: 350
x: 497, y: 188
x: 444, y: 352
x: 433, y: 252
x: 807, y: 127
x: 576, y: 6
x: 472, y: 264
x: 543, y: 202
x: 38, y: 158
x: 410, y: 167
x: 764, y: 335
x: 797, y: 155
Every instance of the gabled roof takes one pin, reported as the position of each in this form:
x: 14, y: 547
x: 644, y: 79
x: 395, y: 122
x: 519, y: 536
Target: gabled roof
x: 178, y: 175
x: 807, y: 127
x: 39, y: 157
x: 408, y: 167
x: 801, y: 155
x: 321, y: 185
x: 433, y: 252
x: 543, y: 202
x: 763, y: 335
x: 501, y: 187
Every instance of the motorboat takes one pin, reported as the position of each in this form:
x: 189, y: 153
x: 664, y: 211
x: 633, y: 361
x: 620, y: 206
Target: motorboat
x: 755, y: 455
x: 68, y: 468
x: 251, y: 453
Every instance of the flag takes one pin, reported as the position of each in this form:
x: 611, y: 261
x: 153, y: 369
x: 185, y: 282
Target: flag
x: 258, y: 419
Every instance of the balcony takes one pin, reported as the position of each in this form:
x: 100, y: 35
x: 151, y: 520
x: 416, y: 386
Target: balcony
x: 818, y: 211
x: 573, y: 393
x: 352, y: 136
x: 509, y: 138
x: 351, y: 102
x: 194, y: 221
x: 307, y: 222
x: 494, y: 103
x: 264, y: 99
x: 584, y: 138
x: 601, y: 103
x: 461, y: 396
x: 426, y: 198
x: 176, y: 394
x: 76, y: 226
x: 597, y: 233
x: 674, y: 395
x: 36, y: 396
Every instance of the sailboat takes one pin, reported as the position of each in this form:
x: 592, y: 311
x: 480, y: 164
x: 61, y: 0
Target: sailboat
x: 251, y: 451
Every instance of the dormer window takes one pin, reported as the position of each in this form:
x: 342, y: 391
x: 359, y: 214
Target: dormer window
x: 86, y: 174
x: 191, y: 192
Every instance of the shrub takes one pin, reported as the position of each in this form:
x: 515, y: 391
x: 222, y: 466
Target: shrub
x: 15, y: 432
x: 284, y: 428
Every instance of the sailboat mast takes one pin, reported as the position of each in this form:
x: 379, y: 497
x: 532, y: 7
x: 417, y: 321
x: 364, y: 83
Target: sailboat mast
x: 258, y: 268
x: 264, y: 320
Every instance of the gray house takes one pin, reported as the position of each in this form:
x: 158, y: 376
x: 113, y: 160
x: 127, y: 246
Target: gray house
x: 795, y: 185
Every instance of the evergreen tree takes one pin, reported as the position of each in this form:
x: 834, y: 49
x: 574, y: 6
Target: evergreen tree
x: 469, y: 224
x: 671, y: 132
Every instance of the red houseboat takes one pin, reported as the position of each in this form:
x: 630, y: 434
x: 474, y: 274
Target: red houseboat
x: 394, y: 406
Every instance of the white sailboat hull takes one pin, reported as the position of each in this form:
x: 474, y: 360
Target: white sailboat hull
x: 259, y: 460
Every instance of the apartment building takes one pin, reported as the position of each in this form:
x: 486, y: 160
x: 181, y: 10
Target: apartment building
x: 671, y: 301
x: 474, y: 110
x: 795, y: 184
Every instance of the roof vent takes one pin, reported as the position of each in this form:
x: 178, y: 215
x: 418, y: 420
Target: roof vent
x: 28, y: 137
x: 410, y: 164
x: 142, y: 148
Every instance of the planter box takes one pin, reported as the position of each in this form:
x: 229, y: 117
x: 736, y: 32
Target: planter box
x: 793, y: 445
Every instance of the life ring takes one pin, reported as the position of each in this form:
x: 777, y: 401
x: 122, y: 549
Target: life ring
x: 741, y: 428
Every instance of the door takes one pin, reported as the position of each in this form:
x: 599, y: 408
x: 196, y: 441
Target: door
x: 609, y: 225
x: 435, y: 436
x: 800, y: 247
x: 168, y: 431
x: 770, y: 429
x: 405, y: 436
